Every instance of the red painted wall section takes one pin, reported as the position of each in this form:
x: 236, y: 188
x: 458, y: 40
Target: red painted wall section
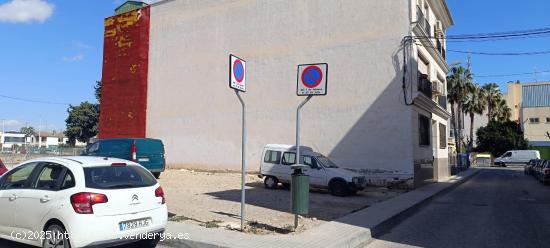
x: 125, y: 68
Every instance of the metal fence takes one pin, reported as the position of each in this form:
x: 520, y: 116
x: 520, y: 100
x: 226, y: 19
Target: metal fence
x: 11, y: 158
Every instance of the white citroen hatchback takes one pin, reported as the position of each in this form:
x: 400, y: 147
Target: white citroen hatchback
x: 81, y: 201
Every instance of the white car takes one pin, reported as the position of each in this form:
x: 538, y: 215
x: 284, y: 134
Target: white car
x: 277, y: 159
x: 90, y: 201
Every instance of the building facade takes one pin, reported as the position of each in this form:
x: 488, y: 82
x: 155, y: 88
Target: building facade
x: 11, y: 139
x: 385, y: 113
x: 530, y: 104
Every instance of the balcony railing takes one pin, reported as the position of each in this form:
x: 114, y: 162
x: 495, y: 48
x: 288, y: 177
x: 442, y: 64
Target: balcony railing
x: 424, y: 85
x: 422, y: 21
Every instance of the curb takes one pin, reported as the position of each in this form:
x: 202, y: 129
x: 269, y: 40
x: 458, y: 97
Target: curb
x: 354, y: 230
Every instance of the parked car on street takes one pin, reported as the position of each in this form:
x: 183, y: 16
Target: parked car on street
x: 81, y: 201
x: 545, y: 175
x: 528, y: 168
x: 275, y: 168
x: 3, y: 168
x: 147, y: 152
x: 537, y: 168
x: 542, y: 172
x: 517, y: 157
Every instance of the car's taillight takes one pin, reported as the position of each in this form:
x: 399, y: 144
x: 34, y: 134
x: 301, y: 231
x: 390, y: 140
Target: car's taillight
x: 134, y: 151
x: 83, y: 202
x: 160, y: 193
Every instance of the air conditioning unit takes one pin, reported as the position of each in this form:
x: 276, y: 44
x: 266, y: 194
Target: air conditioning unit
x: 437, y: 88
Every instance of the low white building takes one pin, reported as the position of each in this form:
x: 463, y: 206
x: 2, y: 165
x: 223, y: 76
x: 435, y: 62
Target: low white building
x: 9, y: 139
x: 49, y: 139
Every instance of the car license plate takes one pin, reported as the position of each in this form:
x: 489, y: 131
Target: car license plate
x: 143, y: 159
x: 134, y: 224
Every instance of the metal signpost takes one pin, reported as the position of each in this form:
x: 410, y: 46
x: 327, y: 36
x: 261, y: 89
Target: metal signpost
x: 237, y: 81
x: 311, y: 81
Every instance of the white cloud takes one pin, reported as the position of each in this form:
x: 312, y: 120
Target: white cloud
x: 81, y: 45
x: 75, y: 58
x: 21, y: 11
x: 9, y: 123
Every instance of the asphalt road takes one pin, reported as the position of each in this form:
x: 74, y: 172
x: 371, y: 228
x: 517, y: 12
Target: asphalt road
x: 499, y: 207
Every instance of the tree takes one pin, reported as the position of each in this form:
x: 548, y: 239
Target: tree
x: 474, y: 104
x: 82, y: 122
x: 456, y: 93
x: 502, y: 111
x: 498, y: 137
x: 493, y: 95
x: 28, y: 131
x: 97, y: 91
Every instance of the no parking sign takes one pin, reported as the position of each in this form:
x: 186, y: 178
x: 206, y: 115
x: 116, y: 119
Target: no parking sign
x: 237, y: 73
x: 312, y: 79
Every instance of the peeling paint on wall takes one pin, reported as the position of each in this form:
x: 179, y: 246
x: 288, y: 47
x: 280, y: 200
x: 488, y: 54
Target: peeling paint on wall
x: 125, y: 70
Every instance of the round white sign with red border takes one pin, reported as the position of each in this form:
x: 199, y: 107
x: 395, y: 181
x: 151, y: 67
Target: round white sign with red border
x: 237, y: 73
x: 312, y: 79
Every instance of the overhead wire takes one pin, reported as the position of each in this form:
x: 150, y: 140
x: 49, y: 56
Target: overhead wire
x: 34, y: 101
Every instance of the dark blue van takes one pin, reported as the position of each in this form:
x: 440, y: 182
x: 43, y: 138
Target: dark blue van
x: 147, y: 152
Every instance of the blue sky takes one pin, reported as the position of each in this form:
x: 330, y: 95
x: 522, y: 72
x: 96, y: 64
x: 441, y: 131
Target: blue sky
x: 475, y: 16
x: 52, y: 50
x: 57, y: 58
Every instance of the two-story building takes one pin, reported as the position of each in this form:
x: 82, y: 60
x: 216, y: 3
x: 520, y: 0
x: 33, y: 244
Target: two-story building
x: 165, y: 75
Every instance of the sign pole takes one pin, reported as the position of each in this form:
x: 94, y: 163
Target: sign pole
x: 243, y: 158
x: 298, y: 144
x: 311, y: 81
x: 237, y: 81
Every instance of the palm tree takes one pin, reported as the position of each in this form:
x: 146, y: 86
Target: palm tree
x: 493, y: 95
x: 456, y: 93
x: 502, y: 111
x: 474, y: 104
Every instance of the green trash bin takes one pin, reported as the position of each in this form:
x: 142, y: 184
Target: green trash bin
x: 300, y: 194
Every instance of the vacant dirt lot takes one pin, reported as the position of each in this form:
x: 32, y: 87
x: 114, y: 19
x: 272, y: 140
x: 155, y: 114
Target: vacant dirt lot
x: 213, y: 200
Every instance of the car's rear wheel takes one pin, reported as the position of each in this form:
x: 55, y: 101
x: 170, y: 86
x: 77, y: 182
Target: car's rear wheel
x: 339, y: 188
x: 156, y: 174
x: 56, y: 237
x: 271, y: 182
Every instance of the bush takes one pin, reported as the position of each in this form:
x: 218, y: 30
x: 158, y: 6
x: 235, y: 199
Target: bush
x: 498, y: 137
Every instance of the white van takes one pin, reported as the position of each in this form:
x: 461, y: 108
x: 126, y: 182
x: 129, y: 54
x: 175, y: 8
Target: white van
x: 517, y: 157
x: 276, y: 168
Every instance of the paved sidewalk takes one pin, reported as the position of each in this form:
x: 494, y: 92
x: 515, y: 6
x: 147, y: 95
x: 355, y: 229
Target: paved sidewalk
x: 353, y: 230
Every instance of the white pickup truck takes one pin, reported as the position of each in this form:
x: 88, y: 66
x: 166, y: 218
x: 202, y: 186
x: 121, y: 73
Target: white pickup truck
x: 276, y: 168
